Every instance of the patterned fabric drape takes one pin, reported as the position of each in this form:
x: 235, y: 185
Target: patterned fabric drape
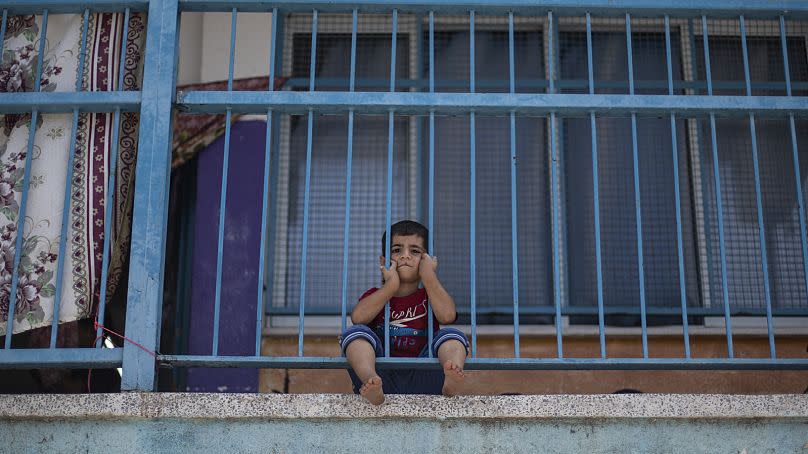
x: 41, y: 229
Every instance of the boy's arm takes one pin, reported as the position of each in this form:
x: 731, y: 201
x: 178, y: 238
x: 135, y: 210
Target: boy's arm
x: 443, y: 305
x: 368, y: 307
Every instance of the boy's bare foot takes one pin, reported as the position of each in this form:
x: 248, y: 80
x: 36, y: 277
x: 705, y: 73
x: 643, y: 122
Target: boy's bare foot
x: 454, y: 378
x: 372, y: 390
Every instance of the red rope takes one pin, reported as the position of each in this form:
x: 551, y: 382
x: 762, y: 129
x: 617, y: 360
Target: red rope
x: 97, y: 325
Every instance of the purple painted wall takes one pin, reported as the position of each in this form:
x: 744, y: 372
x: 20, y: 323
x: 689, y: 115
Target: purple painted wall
x: 242, y: 237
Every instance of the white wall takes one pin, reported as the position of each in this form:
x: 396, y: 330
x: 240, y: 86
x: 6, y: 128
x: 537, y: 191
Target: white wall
x: 205, y: 46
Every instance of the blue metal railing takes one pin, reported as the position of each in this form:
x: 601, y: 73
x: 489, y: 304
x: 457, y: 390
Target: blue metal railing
x: 154, y: 103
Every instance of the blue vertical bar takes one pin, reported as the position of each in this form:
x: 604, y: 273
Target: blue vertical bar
x: 26, y: 186
x: 233, y: 15
x: 551, y: 53
x: 305, y: 248
x: 514, y: 222
x: 260, y: 305
x: 677, y: 193
x: 431, y: 54
x: 431, y: 245
x: 511, y: 61
x: 108, y: 204
x: 223, y: 195
x: 472, y: 195
x: 346, y: 229
x: 596, y: 190
x: 708, y: 248
x: 304, y: 253
x: 638, y: 208
x: 717, y: 180
x: 389, y: 207
x: 42, y: 39
x: 590, y: 66
x: 57, y: 302
x: 554, y: 182
x: 3, y: 30
x: 630, y: 55
x: 795, y: 156
x: 217, y: 304
x: 762, y: 235
x: 122, y: 64
x: 637, y: 204
x: 784, y: 45
x: 273, y: 45
x: 275, y: 60
x: 745, y: 51
x: 514, y: 240
x: 108, y: 208
x: 147, y: 258
x: 758, y: 196
x: 354, y: 27
x: 313, y: 59
x: 556, y: 264
x: 349, y: 163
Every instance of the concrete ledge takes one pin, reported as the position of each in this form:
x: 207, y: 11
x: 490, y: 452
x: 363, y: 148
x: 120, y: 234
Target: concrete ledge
x: 339, y: 406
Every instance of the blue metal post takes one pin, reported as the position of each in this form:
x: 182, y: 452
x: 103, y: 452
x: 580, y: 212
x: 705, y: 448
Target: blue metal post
x: 151, y: 198
x: 675, y: 153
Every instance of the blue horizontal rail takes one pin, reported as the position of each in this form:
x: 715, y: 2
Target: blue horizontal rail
x: 72, y: 6
x: 487, y: 103
x: 614, y: 8
x: 493, y: 363
x: 506, y: 309
x: 126, y: 101
x: 61, y: 357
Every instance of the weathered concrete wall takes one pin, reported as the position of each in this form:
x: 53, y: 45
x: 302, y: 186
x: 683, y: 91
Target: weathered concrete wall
x: 417, y: 424
x: 571, y: 382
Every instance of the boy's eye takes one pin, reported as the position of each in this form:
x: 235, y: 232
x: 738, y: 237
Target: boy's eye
x: 395, y: 250
x: 416, y: 252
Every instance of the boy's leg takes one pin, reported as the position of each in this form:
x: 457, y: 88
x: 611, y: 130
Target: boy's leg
x: 452, y: 349
x: 359, y: 345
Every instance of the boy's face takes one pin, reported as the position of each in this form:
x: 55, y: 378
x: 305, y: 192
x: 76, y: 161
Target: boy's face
x: 406, y: 251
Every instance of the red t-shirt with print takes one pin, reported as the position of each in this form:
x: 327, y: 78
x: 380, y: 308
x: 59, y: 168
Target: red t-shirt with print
x: 406, y: 312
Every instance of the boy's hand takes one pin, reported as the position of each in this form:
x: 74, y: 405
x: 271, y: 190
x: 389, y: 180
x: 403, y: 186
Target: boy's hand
x: 390, y: 275
x: 428, y: 266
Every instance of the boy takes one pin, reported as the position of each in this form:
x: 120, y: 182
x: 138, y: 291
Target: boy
x: 410, y: 265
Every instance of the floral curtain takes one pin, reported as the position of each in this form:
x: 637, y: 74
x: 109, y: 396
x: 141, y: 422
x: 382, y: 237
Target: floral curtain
x: 41, y: 229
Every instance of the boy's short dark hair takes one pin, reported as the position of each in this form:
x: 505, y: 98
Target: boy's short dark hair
x: 406, y: 228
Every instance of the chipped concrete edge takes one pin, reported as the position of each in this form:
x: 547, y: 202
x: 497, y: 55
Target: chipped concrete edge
x: 342, y: 406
